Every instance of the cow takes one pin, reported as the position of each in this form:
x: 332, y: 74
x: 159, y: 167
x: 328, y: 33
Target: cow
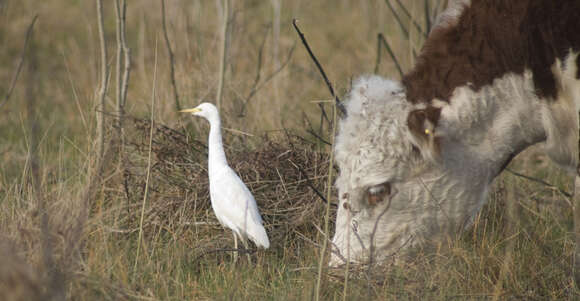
x: 418, y: 156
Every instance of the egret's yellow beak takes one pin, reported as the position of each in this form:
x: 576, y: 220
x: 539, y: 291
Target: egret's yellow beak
x: 190, y: 110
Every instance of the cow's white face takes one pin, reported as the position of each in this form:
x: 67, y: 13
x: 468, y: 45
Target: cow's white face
x: 392, y: 193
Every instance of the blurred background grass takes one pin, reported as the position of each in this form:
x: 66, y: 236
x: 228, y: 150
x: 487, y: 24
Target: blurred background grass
x: 66, y: 235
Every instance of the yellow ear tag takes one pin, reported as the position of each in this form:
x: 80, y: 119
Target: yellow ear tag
x: 427, y: 132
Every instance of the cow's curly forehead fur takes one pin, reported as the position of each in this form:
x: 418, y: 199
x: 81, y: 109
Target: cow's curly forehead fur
x: 373, y: 141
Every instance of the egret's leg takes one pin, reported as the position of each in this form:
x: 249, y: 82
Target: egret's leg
x: 235, y: 246
x: 245, y: 242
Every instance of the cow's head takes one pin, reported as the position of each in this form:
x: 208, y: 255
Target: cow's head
x: 404, y: 181
x: 417, y: 157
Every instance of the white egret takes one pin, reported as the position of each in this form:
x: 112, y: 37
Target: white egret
x: 231, y: 200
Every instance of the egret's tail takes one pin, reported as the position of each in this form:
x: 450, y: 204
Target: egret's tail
x: 259, y: 237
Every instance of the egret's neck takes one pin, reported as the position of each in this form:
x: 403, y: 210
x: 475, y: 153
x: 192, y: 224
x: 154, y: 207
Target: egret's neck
x: 217, y: 156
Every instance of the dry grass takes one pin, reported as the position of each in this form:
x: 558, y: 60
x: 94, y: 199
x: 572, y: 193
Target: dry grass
x: 93, y: 222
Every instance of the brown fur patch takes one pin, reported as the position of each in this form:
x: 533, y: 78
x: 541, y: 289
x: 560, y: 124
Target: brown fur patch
x: 425, y: 119
x: 492, y: 38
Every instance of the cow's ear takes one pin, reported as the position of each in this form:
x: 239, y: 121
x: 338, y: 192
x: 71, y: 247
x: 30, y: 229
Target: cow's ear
x: 422, y: 125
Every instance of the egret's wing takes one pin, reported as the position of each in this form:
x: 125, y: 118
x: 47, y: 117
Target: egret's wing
x: 236, y: 207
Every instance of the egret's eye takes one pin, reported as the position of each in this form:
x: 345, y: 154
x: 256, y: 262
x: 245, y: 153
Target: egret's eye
x: 377, y: 193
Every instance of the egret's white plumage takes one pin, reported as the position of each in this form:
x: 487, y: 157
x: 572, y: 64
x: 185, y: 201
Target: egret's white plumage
x: 231, y: 200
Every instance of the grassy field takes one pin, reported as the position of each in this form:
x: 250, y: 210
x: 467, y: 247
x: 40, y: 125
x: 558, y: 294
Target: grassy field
x: 137, y: 225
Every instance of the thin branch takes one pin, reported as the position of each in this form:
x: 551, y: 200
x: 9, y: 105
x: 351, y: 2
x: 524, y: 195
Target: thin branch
x: 303, y: 173
x: 406, y: 11
x: 145, y: 193
x: 223, y: 53
x: 339, y: 104
x: 311, y: 132
x: 20, y: 62
x: 327, y: 213
x: 399, y: 21
x: 276, y: 16
x: 427, y: 12
x: 273, y: 74
x: 171, y: 57
x: 119, y: 62
x: 257, y: 86
x: 382, y: 41
x: 567, y: 194
x: 123, y: 54
x: 310, y: 184
x: 260, y: 61
x: 123, y: 61
x: 103, y: 85
x: 127, y: 70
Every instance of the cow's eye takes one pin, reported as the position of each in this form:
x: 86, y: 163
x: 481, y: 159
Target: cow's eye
x: 376, y: 194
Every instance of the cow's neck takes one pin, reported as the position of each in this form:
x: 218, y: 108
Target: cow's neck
x: 491, y: 125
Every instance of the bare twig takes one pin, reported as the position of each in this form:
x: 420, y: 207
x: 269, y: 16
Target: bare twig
x: 567, y: 194
x: 313, y: 133
x: 145, y: 193
x: 119, y: 62
x: 259, y: 64
x: 327, y: 214
x: 305, y: 175
x: 123, y: 59
x: 103, y: 85
x: 339, y: 104
x: 321, y: 123
x: 276, y: 16
x: 171, y: 58
x: 382, y: 41
x: 223, y: 52
x: 408, y: 14
x: 20, y: 62
x: 311, y: 185
x: 257, y: 86
x: 399, y: 21
x: 427, y: 12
